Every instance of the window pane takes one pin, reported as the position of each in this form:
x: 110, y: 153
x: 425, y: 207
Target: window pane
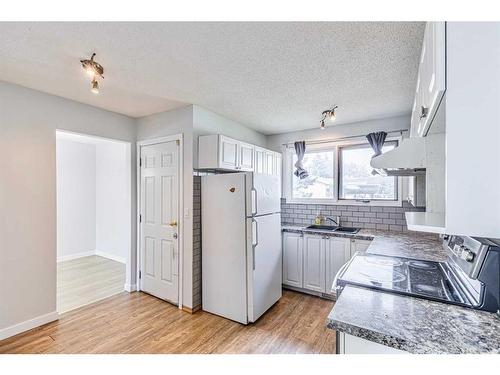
x: 356, y: 179
x: 319, y: 184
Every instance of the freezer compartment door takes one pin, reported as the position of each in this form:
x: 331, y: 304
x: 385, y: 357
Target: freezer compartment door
x: 264, y: 264
x: 224, y: 255
x: 264, y: 194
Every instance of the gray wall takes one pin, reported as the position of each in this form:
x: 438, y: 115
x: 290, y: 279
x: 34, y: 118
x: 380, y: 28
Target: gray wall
x: 28, y: 123
x: 333, y: 131
x: 76, y: 198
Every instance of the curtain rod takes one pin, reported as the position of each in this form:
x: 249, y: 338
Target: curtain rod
x: 320, y: 141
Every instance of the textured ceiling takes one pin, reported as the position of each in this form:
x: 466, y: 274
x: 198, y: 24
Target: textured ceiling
x: 273, y: 77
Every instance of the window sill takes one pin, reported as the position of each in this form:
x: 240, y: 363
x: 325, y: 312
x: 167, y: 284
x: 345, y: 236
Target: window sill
x: 344, y: 202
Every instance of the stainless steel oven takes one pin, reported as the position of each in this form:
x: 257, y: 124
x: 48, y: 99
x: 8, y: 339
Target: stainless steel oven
x: 470, y: 277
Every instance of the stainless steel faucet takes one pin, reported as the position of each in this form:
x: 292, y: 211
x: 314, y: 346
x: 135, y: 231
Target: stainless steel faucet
x: 337, y: 222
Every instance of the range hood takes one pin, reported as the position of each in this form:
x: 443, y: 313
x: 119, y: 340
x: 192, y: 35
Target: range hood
x: 408, y: 159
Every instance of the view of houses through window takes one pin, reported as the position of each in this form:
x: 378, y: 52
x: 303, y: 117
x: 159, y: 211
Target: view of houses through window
x: 356, y: 180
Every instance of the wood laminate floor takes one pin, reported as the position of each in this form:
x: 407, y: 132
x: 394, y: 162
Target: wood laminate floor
x: 139, y: 323
x: 85, y: 280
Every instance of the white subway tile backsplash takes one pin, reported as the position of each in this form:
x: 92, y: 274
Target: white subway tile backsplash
x: 371, y: 217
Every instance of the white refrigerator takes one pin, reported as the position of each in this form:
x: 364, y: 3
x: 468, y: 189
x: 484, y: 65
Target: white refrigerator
x: 241, y: 244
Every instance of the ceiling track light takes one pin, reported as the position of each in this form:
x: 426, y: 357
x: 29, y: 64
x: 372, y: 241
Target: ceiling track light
x: 95, y: 70
x: 329, y: 114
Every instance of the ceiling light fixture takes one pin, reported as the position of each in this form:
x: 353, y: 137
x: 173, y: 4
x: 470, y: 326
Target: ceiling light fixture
x: 328, y: 114
x: 95, y: 87
x: 95, y: 70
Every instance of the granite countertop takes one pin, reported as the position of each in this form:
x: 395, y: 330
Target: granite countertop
x: 415, y: 245
x: 415, y: 325
x: 412, y: 324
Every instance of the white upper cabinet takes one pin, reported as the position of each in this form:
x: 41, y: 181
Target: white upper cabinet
x: 431, y: 81
x: 221, y: 152
x: 228, y: 154
x: 277, y: 164
x: 246, y: 156
x: 269, y: 161
x: 259, y: 159
x: 473, y: 129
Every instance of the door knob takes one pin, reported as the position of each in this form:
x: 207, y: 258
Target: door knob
x: 173, y: 223
x: 175, y: 235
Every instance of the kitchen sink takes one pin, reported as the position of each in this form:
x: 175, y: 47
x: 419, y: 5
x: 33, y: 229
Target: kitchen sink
x: 322, y: 227
x: 334, y: 228
x: 347, y: 230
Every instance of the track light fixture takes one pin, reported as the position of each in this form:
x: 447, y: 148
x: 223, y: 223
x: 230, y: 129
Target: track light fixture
x: 95, y: 70
x: 329, y: 114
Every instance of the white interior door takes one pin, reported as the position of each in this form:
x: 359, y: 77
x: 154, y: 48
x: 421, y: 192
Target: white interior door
x: 159, y: 263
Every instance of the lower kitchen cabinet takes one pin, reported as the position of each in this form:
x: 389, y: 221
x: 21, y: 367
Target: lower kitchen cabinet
x: 311, y: 261
x: 338, y: 252
x: 349, y: 344
x: 314, y: 263
x: 292, y: 259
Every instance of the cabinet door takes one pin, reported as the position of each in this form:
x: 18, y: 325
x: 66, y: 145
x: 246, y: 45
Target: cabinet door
x: 269, y: 162
x: 314, y: 263
x: 431, y: 73
x: 417, y: 107
x: 348, y: 344
x: 277, y: 164
x: 338, y: 252
x: 246, y: 157
x: 228, y: 153
x: 259, y: 160
x: 292, y: 259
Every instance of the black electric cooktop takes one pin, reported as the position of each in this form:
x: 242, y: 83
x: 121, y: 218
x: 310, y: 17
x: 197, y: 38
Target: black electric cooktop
x: 426, y: 279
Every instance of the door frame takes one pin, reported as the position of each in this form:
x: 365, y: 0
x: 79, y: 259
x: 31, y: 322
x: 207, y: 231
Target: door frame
x: 180, y: 242
x: 129, y: 270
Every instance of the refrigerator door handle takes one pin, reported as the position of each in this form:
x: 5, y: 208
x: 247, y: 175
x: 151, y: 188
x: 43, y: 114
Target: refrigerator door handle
x: 255, y: 232
x: 254, y: 201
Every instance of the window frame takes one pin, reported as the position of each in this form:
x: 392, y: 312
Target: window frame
x: 339, y: 174
x: 334, y: 173
x: 288, y: 170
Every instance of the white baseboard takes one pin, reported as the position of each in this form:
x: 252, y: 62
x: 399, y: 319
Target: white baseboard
x: 130, y: 287
x: 28, y: 324
x: 111, y: 256
x: 75, y: 256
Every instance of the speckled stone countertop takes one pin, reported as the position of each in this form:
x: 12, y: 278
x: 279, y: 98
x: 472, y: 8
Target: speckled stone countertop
x: 412, y: 324
x: 415, y: 245
x: 415, y: 325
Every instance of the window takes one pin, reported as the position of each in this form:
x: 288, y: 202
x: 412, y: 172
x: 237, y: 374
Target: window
x: 319, y: 184
x: 340, y: 174
x: 356, y: 180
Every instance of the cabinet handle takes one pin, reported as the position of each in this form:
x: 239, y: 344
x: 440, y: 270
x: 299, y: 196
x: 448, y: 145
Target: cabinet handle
x: 424, y: 112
